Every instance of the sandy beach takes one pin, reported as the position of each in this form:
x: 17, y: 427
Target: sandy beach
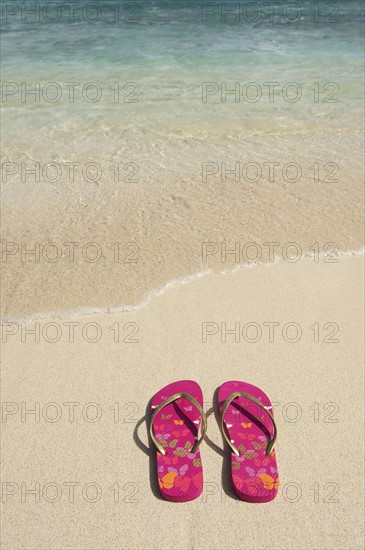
x: 84, y: 449
x: 182, y: 199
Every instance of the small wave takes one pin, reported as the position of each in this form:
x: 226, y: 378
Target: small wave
x: 155, y: 293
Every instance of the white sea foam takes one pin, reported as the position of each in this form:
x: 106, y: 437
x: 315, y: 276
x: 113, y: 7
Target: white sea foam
x: 156, y: 292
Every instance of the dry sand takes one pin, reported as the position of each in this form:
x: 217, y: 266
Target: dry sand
x: 317, y: 388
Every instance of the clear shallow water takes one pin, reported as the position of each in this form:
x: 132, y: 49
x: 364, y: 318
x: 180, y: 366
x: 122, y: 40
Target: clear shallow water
x: 168, y: 50
x: 121, y: 76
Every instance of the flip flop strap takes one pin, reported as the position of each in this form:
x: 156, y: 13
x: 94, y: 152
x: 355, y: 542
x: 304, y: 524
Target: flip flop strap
x: 226, y: 404
x: 169, y: 400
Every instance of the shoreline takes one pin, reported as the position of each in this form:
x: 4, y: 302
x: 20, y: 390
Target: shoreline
x: 156, y: 292
x: 149, y: 204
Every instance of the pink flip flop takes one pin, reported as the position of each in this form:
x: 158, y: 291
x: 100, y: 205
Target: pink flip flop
x: 177, y: 415
x: 250, y: 431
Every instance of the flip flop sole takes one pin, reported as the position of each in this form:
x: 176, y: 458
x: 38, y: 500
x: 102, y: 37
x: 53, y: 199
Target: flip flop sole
x: 254, y: 475
x: 180, y: 472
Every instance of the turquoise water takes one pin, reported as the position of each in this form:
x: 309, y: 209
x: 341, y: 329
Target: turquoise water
x: 110, y: 77
x: 168, y: 49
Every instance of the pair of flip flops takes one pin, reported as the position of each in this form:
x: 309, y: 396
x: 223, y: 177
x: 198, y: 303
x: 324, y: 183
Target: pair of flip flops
x: 247, y: 425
